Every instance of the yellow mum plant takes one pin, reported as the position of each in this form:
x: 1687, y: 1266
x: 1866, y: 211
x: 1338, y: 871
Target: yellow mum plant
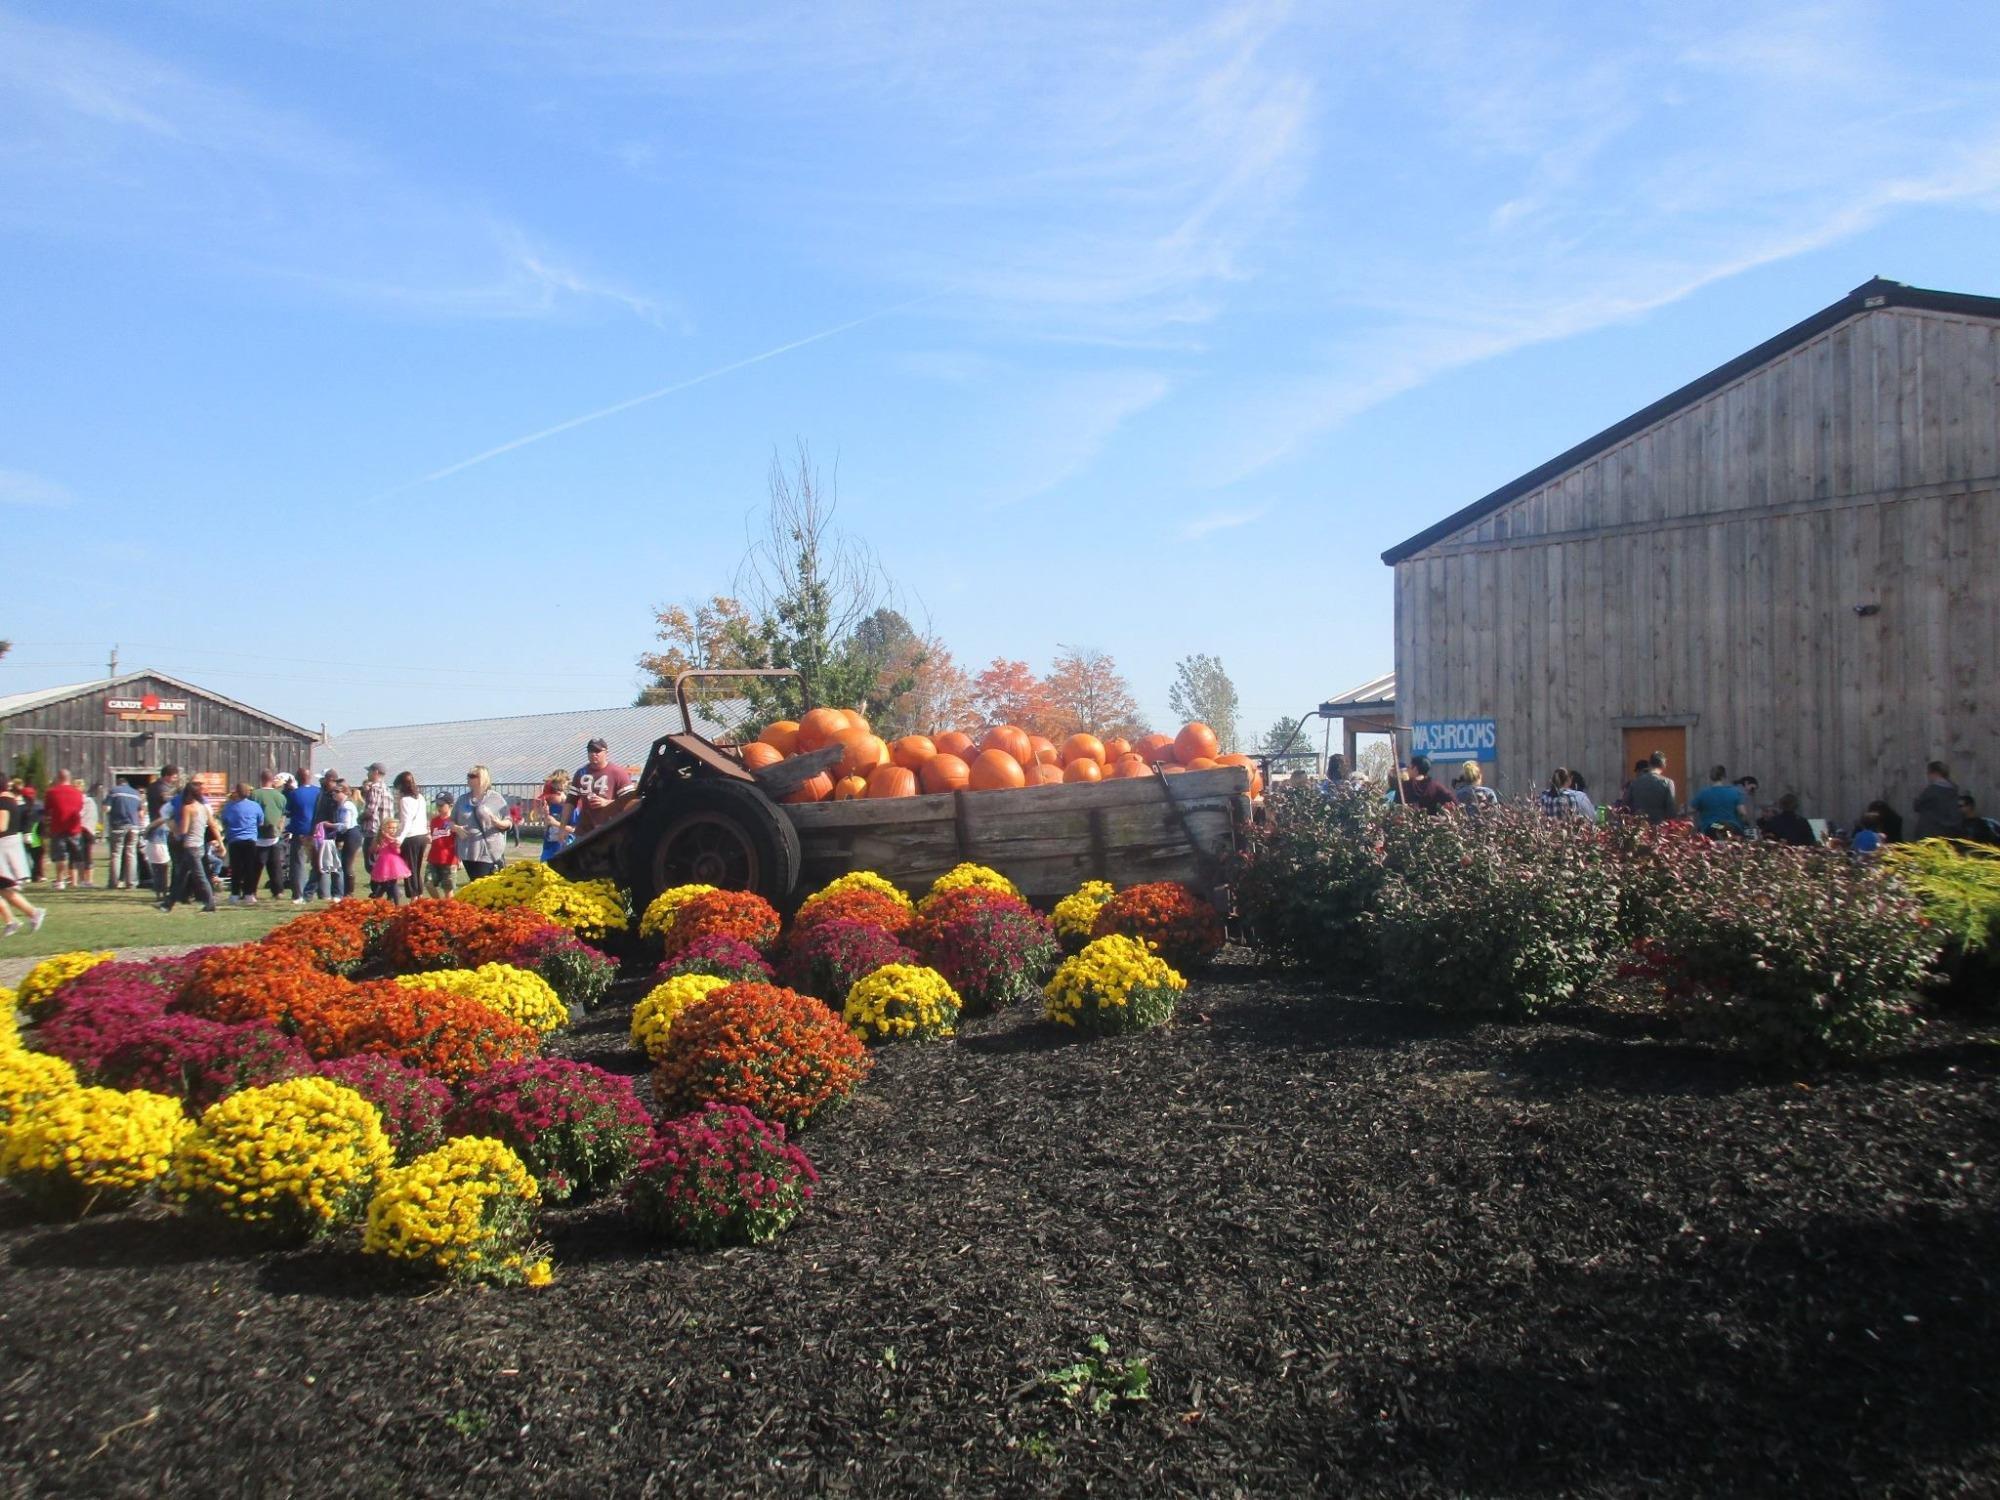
x: 465, y: 1211
x: 654, y: 1016
x: 899, y: 1001
x: 858, y: 880
x: 659, y: 915
x: 10, y: 1024
x: 27, y: 1078
x: 1076, y: 913
x: 297, y: 1158
x: 85, y: 1148
x: 51, y: 974
x: 958, y: 877
x: 588, y: 908
x: 518, y: 994
x: 1116, y: 983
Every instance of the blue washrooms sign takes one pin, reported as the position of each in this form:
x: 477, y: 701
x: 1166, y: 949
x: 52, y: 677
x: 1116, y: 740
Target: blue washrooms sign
x: 1455, y: 739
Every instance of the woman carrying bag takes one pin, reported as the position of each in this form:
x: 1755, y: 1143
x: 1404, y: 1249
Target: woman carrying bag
x: 480, y: 822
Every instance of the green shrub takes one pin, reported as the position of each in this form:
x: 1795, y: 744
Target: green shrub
x: 1799, y: 953
x: 1508, y: 911
x: 1309, y: 883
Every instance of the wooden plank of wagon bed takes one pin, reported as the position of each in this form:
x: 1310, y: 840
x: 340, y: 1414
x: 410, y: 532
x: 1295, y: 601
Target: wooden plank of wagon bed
x: 1048, y: 840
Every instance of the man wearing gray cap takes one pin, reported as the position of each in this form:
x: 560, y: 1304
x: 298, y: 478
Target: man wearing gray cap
x: 596, y: 786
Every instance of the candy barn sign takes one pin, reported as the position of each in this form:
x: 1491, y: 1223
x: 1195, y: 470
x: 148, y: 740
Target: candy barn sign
x: 148, y: 707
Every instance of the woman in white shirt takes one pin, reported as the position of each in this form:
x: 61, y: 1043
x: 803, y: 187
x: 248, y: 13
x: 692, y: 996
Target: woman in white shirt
x: 413, y: 815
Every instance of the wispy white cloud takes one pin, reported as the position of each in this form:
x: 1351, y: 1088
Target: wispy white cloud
x: 101, y: 139
x: 1221, y: 520
x: 32, y: 491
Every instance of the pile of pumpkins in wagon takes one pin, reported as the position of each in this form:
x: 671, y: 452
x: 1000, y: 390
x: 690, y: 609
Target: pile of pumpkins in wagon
x: 1005, y: 758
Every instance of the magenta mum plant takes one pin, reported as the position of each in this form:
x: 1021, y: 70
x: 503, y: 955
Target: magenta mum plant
x: 85, y: 1031
x: 202, y: 1061
x: 719, y: 954
x: 577, y: 1128
x: 829, y: 959
x: 413, y: 1105
x: 719, y: 1177
x: 579, y: 974
x: 993, y: 952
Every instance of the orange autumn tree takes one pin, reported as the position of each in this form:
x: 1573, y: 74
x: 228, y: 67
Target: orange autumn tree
x: 715, y: 634
x: 1008, y: 693
x: 1086, y: 694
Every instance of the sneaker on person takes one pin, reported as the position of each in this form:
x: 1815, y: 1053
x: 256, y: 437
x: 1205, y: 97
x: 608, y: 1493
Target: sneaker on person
x: 10, y: 929
x: 35, y: 922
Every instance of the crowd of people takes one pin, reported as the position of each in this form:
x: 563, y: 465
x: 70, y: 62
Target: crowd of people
x: 291, y: 837
x: 1721, y: 808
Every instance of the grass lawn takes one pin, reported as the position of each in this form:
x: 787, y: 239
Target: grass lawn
x: 101, y: 918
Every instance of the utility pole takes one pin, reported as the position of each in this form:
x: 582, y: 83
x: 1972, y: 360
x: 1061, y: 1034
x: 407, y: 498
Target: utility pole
x: 113, y: 672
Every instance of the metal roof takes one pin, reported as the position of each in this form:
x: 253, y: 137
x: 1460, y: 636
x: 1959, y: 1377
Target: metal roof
x: 1867, y: 297
x: 521, y: 748
x: 14, y: 703
x: 1377, y: 692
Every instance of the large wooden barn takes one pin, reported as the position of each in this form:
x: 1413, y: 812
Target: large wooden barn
x: 1790, y: 567
x: 128, y: 726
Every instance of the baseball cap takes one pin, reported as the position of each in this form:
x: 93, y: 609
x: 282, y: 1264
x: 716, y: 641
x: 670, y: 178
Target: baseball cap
x: 597, y: 745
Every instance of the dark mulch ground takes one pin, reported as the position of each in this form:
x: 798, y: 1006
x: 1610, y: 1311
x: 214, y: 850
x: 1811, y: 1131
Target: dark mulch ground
x: 1359, y: 1248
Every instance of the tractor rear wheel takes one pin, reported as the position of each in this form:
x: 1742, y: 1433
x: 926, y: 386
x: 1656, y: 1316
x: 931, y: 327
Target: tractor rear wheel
x: 714, y: 832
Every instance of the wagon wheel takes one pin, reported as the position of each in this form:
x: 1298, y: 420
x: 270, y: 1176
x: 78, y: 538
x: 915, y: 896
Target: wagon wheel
x: 721, y: 833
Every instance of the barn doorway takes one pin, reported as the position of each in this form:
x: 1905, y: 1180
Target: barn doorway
x: 1671, y: 741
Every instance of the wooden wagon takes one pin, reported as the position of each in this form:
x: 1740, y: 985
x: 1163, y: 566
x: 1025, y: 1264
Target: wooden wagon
x: 699, y: 815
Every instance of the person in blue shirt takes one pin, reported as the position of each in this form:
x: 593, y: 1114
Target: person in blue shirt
x: 242, y: 820
x: 1720, y: 809
x: 301, y: 812
x: 125, y: 818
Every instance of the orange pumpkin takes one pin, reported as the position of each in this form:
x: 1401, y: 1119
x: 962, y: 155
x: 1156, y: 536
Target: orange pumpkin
x: 1011, y: 742
x: 757, y: 755
x: 1239, y: 759
x: 1156, y: 747
x: 855, y: 721
x: 956, y: 742
x: 849, y: 787
x: 1113, y: 748
x: 944, y: 772
x: 862, y: 752
x: 1083, y: 747
x: 1195, y: 740
x: 1168, y: 768
x: 1200, y: 763
x: 1083, y: 768
x: 912, y: 750
x: 892, y: 781
x: 1044, y: 773
x: 812, y: 789
x: 996, y: 771
x: 1043, y: 750
x: 819, y: 729
x: 1132, y: 765
x: 781, y: 735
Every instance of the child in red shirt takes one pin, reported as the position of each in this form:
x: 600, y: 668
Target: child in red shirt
x: 441, y: 865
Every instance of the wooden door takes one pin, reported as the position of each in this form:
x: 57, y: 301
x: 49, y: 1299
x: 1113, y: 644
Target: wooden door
x: 1672, y: 742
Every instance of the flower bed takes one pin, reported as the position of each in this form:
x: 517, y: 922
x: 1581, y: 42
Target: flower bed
x: 742, y: 915
x: 514, y: 993
x: 339, y: 938
x: 961, y: 876
x: 828, y: 960
x: 992, y: 947
x: 724, y: 957
x: 436, y: 933
x: 1167, y: 916
x: 465, y: 1211
x: 660, y: 911
x: 587, y: 908
x: 88, y: 1148
x: 580, y: 975
x: 857, y: 904
x: 200, y: 1061
x: 900, y: 1001
x: 412, y: 1104
x: 1115, y: 984
x: 51, y: 974
x: 1076, y: 914
x: 444, y: 1035
x: 295, y: 1159
x: 654, y: 1016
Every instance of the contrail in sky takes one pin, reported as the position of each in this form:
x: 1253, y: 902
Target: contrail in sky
x: 640, y: 400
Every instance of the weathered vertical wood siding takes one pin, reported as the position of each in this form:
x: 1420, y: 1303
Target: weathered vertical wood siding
x: 1707, y: 571
x: 214, y: 734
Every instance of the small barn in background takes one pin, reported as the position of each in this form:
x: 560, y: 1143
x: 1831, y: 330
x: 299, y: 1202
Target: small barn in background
x: 1790, y: 566
x: 128, y: 726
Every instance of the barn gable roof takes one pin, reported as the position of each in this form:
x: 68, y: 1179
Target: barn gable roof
x: 15, y: 703
x: 1867, y: 297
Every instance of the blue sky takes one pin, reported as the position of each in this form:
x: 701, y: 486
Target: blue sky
x: 1140, y: 327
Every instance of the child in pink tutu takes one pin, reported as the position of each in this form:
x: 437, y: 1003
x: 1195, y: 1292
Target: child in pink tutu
x: 390, y: 870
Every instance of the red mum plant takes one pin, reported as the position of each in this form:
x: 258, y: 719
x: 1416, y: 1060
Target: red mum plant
x: 444, y: 1035
x: 828, y: 959
x: 580, y: 975
x: 724, y: 957
x: 577, y: 1128
x: 276, y: 986
x: 1181, y: 925
x: 720, y: 1177
x: 412, y: 1104
x: 340, y: 938
x: 201, y: 1061
x: 743, y: 915
x: 439, y: 934
x: 857, y: 904
x: 88, y: 1029
x: 993, y: 947
x: 781, y: 1055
